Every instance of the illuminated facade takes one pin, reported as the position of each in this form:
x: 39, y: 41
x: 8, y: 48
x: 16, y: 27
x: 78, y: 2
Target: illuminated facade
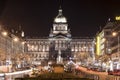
x: 104, y: 41
x: 116, y: 43
x: 10, y: 47
x: 60, y: 39
x: 107, y: 45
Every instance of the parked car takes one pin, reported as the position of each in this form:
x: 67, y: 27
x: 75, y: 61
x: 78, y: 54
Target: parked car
x: 115, y: 72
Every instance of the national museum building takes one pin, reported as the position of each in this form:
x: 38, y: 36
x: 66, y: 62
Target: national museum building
x: 60, y: 46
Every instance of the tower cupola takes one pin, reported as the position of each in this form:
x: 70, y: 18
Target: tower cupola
x: 60, y: 18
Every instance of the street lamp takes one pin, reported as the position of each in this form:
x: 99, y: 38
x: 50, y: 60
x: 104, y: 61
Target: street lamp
x: 15, y: 39
x: 4, y: 33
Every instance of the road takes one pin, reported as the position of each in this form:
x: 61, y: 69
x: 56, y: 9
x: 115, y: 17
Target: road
x: 13, y: 75
x: 98, y: 75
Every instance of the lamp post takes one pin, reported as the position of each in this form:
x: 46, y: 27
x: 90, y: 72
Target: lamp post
x: 118, y: 51
x: 118, y: 39
x: 5, y: 34
x: 118, y: 44
x: 14, y: 40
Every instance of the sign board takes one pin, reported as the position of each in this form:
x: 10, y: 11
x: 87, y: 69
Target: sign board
x: 117, y: 18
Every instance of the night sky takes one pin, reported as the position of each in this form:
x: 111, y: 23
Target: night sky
x: 36, y: 16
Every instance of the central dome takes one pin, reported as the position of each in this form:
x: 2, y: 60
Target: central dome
x: 60, y: 18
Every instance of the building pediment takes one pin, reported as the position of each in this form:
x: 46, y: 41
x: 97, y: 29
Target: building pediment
x: 61, y: 36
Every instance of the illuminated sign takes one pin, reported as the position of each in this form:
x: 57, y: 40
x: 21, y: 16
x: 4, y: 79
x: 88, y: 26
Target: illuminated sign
x: 117, y: 18
x: 98, y: 45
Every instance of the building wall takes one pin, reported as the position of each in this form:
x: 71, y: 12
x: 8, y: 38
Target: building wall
x: 107, y: 44
x: 8, y: 47
x: 47, y: 49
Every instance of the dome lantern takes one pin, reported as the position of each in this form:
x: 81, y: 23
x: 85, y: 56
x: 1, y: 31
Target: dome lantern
x: 60, y: 18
